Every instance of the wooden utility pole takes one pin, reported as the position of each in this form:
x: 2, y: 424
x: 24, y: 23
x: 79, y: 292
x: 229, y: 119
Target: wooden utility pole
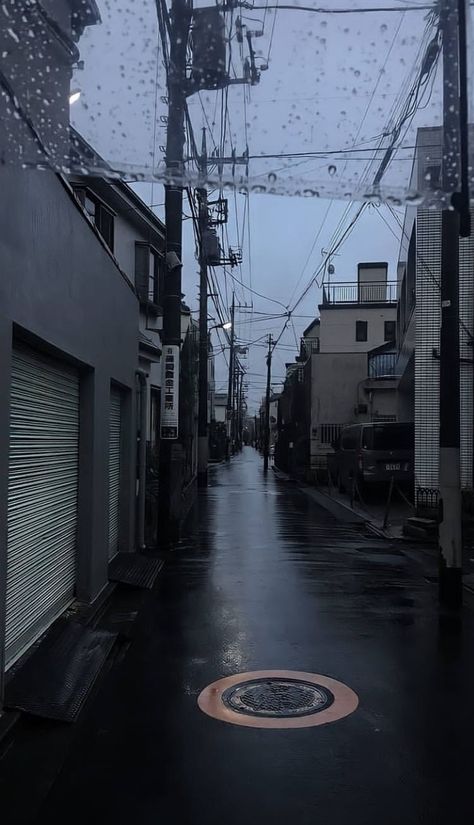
x: 203, y: 432
x: 266, y: 436
x: 169, y: 496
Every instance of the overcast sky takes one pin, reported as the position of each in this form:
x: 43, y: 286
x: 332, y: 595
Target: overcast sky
x: 334, y: 82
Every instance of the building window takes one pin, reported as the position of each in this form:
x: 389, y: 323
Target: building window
x: 148, y: 274
x: 100, y: 215
x: 389, y: 330
x: 433, y: 176
x: 361, y: 330
x: 153, y: 278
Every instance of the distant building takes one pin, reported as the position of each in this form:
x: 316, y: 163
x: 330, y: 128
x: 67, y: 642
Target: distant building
x: 345, y: 371
x: 352, y: 373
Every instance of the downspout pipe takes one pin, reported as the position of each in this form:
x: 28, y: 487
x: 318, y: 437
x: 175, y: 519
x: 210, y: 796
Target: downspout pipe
x: 142, y: 388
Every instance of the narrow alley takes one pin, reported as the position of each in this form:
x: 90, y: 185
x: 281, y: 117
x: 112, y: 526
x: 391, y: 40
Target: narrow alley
x: 268, y: 580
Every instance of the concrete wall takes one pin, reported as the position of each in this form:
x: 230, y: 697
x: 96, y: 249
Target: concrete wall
x: 335, y: 378
x: 384, y: 400
x: 150, y: 325
x: 334, y: 381
x: 62, y: 292
x: 338, y: 327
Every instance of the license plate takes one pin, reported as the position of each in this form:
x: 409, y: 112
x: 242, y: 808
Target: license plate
x: 392, y: 467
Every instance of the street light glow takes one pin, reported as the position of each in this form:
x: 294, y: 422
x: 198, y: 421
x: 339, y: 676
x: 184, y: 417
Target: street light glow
x: 74, y: 97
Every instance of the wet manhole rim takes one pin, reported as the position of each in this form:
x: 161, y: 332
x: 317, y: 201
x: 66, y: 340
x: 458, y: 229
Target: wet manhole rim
x: 278, y: 699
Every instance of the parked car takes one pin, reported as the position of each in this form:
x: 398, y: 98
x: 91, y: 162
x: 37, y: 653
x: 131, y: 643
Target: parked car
x: 372, y: 454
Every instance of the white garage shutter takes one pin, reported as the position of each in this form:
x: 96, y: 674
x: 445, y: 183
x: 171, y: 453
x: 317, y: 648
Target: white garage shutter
x: 114, y: 471
x: 42, y: 495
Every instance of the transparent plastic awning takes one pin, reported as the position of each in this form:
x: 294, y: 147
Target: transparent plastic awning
x: 313, y: 102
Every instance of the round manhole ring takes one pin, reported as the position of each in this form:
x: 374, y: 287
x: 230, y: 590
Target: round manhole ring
x: 276, y: 697
x: 211, y: 700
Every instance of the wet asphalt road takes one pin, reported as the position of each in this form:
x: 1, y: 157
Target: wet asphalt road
x: 266, y: 579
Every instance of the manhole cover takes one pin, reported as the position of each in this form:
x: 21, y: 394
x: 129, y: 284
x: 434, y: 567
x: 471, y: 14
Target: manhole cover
x: 277, y: 697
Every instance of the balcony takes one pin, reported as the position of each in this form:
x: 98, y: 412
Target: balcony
x: 376, y: 292
x: 382, y: 365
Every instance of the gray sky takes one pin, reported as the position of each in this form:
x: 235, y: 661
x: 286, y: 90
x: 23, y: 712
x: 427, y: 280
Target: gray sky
x: 334, y: 83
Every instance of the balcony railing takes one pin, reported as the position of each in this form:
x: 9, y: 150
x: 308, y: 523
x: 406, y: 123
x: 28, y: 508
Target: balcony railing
x: 376, y: 292
x: 382, y: 364
x: 309, y: 346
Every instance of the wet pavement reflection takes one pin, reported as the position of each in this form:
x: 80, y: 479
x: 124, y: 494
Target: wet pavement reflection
x: 265, y: 579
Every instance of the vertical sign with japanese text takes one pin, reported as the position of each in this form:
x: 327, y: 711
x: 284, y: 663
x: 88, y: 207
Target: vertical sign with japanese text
x: 169, y: 427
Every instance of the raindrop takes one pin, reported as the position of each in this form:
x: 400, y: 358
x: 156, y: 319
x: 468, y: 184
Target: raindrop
x: 356, y: 73
x: 332, y: 170
x: 383, y: 27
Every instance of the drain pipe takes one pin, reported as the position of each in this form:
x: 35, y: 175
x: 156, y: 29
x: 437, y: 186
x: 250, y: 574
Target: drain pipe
x: 141, y: 376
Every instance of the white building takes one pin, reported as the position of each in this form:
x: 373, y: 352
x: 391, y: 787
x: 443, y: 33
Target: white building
x: 350, y: 357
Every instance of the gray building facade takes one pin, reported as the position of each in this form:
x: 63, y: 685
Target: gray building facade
x: 69, y: 354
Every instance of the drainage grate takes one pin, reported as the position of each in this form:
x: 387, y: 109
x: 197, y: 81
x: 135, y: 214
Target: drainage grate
x: 274, y: 697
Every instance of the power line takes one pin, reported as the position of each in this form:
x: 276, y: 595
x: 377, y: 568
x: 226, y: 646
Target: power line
x: 354, y: 10
x: 426, y: 266
x: 254, y: 291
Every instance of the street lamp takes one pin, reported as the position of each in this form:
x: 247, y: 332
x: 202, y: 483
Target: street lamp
x: 74, y: 96
x: 224, y: 325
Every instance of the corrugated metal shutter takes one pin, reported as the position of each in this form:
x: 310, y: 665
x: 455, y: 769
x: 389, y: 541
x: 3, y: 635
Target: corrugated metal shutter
x: 42, y: 495
x: 114, y: 471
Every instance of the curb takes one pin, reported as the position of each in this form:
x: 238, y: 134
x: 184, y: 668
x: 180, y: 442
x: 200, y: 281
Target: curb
x: 336, y: 508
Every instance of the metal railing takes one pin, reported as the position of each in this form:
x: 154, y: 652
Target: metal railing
x: 383, y: 292
x: 309, y: 346
x: 382, y: 364
x: 328, y: 433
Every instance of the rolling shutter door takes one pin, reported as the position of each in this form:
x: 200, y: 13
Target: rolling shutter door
x: 42, y: 495
x: 114, y: 471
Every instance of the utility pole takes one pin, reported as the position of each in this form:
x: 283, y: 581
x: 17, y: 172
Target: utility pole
x: 241, y: 409
x: 238, y: 424
x: 170, y: 449
x: 450, y: 532
x: 203, y: 432
x: 266, y: 436
x: 230, y: 385
x: 235, y: 406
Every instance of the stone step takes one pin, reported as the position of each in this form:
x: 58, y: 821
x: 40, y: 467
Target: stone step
x: 420, y: 527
